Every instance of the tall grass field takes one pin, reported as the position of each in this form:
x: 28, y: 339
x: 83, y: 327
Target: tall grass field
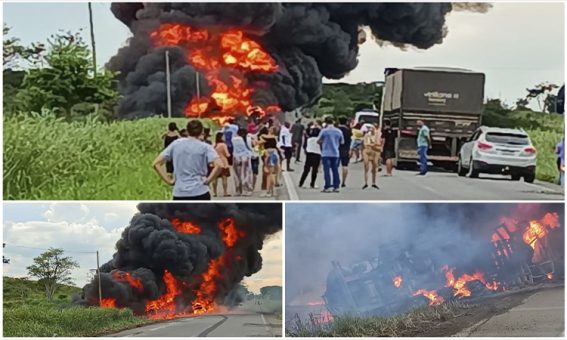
x: 49, y: 159
x: 27, y: 313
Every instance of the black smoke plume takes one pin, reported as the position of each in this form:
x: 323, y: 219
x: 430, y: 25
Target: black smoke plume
x: 150, y: 245
x: 308, y: 41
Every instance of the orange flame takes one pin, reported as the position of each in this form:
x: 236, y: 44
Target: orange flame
x: 185, y: 227
x: 550, y: 276
x: 397, y: 281
x: 164, y: 306
x: 108, y: 303
x: 224, y: 58
x: 431, y: 295
x: 460, y: 285
x: 127, y: 277
x: 230, y: 235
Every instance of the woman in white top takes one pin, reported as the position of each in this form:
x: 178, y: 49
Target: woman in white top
x: 241, y: 164
x: 313, y: 157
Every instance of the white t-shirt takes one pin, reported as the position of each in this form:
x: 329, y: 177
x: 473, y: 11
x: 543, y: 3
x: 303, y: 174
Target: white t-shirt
x: 285, y: 137
x: 312, y: 145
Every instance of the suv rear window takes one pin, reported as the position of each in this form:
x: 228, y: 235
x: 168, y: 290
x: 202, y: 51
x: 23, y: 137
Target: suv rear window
x: 507, y: 138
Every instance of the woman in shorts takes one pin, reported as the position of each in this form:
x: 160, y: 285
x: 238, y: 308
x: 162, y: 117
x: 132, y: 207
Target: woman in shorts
x: 269, y: 142
x: 222, y: 151
x: 371, y: 155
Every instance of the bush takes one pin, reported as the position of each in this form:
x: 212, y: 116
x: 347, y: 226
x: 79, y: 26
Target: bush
x: 545, y: 142
x: 46, y: 158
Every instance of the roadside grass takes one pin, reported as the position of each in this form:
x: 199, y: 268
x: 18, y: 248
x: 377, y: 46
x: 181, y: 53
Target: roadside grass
x: 27, y: 313
x: 49, y: 159
x: 49, y: 320
x: 545, y: 142
x: 403, y: 325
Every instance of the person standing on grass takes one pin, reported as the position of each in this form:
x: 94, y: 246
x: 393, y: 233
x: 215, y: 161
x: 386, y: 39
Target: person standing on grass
x: 330, y: 139
x: 344, y: 149
x: 224, y: 154
x: 312, y: 157
x: 285, y: 141
x: 242, y: 166
x: 171, y: 135
x: 297, y: 139
x: 190, y: 158
x: 388, y: 146
x: 423, y: 144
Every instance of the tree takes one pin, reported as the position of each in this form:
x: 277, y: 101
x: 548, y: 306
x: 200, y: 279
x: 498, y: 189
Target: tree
x: 522, y: 104
x: 52, y: 268
x: 271, y: 292
x: 14, y: 52
x: 67, y: 80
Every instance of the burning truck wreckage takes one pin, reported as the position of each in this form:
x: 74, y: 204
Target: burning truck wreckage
x: 231, y: 60
x: 517, y: 254
x: 178, y: 260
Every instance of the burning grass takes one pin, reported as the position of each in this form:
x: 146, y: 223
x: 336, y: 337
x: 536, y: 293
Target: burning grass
x: 410, y: 323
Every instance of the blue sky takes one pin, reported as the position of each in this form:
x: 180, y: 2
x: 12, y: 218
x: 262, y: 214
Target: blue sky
x: 83, y: 228
x: 517, y: 45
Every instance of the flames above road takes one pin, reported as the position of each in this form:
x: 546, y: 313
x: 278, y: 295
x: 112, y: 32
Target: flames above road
x: 183, y: 259
x: 267, y: 55
x: 223, y: 58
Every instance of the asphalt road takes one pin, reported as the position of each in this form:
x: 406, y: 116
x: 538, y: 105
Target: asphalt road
x: 240, y: 323
x: 436, y: 185
x: 540, y: 315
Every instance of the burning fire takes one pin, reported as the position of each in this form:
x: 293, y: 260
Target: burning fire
x: 550, y: 276
x: 460, y: 285
x: 185, y: 227
x: 165, y: 307
x: 539, y: 229
x: 127, y: 277
x: 431, y: 295
x: 108, y: 303
x: 397, y: 280
x: 224, y: 58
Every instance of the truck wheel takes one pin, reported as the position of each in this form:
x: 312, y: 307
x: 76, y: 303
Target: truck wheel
x: 472, y: 172
x: 461, y: 171
x: 529, y: 178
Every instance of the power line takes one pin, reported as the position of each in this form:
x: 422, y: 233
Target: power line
x: 37, y: 248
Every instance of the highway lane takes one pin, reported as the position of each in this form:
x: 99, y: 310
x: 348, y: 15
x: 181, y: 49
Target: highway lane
x: 540, y: 315
x: 240, y: 323
x: 436, y: 185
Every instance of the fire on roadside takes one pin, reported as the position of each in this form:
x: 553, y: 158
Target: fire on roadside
x: 397, y: 280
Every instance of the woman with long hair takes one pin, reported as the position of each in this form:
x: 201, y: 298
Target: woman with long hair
x: 271, y: 159
x: 372, y: 146
x: 222, y: 151
x: 312, y: 156
x: 241, y: 163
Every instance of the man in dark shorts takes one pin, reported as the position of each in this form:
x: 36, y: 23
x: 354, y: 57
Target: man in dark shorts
x: 344, y: 149
x: 388, y: 146
x: 297, y: 139
x: 190, y: 157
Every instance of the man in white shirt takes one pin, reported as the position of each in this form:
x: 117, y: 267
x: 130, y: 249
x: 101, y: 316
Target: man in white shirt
x: 312, y: 155
x: 285, y: 141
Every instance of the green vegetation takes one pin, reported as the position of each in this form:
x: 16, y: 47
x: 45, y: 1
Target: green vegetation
x: 47, y: 158
x: 27, y: 313
x: 403, y: 325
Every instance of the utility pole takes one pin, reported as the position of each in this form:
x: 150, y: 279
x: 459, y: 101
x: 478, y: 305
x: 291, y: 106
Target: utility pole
x: 198, y: 90
x: 92, y: 35
x: 168, y: 83
x: 99, y: 286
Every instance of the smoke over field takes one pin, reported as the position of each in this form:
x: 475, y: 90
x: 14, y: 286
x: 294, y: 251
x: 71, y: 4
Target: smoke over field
x: 256, y: 57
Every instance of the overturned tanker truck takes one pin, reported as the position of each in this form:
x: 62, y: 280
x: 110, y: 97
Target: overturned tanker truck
x: 449, y: 100
x: 519, y: 254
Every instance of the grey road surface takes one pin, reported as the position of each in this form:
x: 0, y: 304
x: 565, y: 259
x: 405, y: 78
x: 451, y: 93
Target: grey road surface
x: 436, y: 185
x: 241, y: 323
x: 540, y: 315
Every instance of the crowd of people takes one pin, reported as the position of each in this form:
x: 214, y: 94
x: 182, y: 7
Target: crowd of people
x: 258, y: 151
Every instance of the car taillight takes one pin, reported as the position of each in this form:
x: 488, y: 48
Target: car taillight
x: 530, y: 149
x: 484, y: 146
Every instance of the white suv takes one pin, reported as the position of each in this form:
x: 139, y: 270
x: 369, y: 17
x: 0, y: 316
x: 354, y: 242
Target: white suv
x: 498, y: 151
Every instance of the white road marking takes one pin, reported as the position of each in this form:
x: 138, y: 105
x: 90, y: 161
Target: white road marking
x: 266, y: 324
x: 290, y: 187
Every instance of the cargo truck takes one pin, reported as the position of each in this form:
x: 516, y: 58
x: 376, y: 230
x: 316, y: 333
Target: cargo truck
x: 449, y: 101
